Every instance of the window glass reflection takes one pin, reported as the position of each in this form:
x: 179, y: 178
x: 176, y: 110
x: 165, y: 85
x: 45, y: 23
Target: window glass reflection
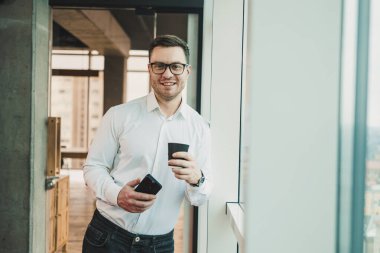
x: 372, y: 195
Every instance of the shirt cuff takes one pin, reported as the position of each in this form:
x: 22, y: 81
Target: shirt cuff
x: 112, y: 192
x: 200, y: 188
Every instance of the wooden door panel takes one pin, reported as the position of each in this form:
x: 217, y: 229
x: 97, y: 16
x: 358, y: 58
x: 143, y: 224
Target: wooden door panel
x: 62, y: 227
x: 63, y: 193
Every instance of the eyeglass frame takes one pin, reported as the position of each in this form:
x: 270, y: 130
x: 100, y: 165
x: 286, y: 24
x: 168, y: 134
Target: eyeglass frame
x: 185, y: 65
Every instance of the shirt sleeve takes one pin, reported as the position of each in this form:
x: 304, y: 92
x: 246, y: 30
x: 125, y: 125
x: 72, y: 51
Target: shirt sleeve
x: 100, y: 159
x: 199, y: 195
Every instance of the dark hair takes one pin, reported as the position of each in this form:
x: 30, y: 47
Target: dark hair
x: 169, y: 41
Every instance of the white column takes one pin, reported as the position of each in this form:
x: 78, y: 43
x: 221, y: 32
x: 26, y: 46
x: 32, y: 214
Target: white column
x: 293, y: 73
x: 221, y: 87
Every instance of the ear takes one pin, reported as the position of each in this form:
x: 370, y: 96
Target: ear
x: 188, y: 69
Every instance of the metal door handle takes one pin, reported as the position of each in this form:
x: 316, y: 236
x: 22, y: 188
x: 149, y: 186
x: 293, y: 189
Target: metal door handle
x: 50, y: 182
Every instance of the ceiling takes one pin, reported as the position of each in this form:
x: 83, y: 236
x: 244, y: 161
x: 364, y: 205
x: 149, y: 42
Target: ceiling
x: 116, y: 31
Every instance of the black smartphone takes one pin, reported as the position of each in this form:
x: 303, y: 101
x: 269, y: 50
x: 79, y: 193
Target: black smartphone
x: 149, y: 185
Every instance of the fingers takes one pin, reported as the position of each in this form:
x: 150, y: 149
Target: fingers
x: 185, y: 177
x: 190, y: 174
x: 132, y: 201
x: 134, y: 182
x: 181, y: 160
x: 136, y: 206
x: 179, y: 163
x: 141, y: 205
x: 182, y: 155
x: 130, y: 193
x: 181, y: 171
x: 142, y: 196
x: 184, y: 167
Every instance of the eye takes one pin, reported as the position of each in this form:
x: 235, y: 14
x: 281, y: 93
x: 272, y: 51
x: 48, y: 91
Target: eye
x: 158, y: 65
x: 176, y: 66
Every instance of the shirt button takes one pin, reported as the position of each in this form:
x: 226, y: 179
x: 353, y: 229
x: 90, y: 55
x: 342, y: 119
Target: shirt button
x: 137, y: 239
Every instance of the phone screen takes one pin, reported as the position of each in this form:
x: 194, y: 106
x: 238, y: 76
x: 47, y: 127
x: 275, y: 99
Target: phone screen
x: 149, y: 185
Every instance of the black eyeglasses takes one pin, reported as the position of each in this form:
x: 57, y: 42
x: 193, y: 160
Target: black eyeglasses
x: 175, y: 68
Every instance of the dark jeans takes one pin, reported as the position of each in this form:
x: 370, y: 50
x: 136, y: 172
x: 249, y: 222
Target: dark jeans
x: 103, y: 236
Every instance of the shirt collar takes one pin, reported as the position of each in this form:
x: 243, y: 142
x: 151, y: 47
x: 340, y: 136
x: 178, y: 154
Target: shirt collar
x: 182, y: 110
x: 152, y: 104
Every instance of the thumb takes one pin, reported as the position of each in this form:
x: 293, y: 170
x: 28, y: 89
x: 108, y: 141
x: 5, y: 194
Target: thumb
x: 134, y: 182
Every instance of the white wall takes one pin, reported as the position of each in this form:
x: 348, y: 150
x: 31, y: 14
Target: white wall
x: 293, y: 73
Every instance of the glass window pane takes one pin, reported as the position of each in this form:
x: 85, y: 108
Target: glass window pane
x: 69, y: 101
x: 138, y: 85
x: 139, y: 63
x: 95, y: 105
x: 78, y: 101
x: 69, y: 61
x: 372, y: 195
x: 97, y: 62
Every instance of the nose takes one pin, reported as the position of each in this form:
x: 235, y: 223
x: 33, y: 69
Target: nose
x: 167, y: 73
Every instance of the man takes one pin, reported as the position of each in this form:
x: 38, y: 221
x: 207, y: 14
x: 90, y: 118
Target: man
x: 132, y: 141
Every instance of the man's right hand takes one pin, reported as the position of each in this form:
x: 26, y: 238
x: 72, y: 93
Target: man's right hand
x: 132, y: 201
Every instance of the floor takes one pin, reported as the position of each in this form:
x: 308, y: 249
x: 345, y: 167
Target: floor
x: 82, y: 207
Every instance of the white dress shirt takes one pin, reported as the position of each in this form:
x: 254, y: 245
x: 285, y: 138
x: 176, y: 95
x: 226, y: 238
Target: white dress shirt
x: 132, y: 141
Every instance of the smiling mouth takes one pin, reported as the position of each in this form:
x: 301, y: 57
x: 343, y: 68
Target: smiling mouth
x: 168, y: 83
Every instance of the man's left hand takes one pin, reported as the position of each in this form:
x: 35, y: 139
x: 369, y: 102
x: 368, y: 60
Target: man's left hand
x: 185, y: 169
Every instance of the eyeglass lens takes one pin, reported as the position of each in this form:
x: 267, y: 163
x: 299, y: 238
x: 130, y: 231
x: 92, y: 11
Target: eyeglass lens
x: 175, y: 68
